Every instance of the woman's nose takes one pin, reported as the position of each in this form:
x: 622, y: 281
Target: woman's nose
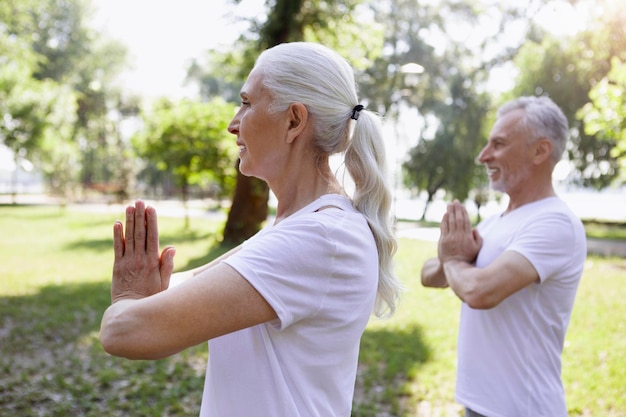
x: 233, y: 126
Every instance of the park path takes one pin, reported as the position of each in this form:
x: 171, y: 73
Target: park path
x: 604, y: 247
x: 410, y: 230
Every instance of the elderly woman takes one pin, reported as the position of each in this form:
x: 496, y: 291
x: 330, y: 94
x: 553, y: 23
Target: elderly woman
x: 284, y: 312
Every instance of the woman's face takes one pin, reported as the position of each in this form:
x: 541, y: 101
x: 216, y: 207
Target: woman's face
x: 260, y: 134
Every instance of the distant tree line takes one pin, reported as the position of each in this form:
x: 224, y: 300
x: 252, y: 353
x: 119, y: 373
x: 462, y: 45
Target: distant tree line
x: 61, y: 109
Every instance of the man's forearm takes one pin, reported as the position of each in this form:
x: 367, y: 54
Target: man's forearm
x: 462, y: 278
x: 433, y: 274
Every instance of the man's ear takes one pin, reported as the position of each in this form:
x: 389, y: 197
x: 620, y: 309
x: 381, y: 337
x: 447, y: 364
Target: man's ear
x: 298, y: 118
x: 543, y: 150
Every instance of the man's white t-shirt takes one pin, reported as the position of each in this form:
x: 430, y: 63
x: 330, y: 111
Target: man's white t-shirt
x: 509, y: 357
x: 318, y: 269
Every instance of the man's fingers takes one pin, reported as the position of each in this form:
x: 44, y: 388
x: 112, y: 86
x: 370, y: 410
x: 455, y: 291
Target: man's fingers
x: 444, y: 224
x: 461, y: 218
x: 453, y: 217
x: 477, y: 238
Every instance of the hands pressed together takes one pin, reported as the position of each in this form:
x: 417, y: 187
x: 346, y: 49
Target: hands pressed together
x: 139, y: 270
x: 458, y: 240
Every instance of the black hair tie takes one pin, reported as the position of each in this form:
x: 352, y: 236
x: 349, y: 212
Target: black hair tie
x: 356, y: 111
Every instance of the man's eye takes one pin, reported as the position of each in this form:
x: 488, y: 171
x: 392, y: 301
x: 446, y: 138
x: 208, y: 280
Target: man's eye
x: 245, y: 103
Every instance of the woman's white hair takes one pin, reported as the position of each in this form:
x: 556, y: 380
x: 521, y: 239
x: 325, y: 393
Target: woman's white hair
x: 319, y: 78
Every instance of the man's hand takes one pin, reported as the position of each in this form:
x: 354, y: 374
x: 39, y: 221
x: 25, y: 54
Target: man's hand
x: 458, y: 241
x: 138, y: 269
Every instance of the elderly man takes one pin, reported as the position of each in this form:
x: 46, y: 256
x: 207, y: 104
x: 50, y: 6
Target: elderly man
x: 517, y: 273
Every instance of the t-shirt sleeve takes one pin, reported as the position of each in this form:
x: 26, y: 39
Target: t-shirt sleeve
x: 290, y: 265
x: 548, y: 242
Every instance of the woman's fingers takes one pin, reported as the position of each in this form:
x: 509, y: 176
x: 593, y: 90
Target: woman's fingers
x: 152, y: 232
x: 139, y: 227
x: 130, y: 230
x: 118, y: 240
x: 142, y: 232
x: 166, y: 266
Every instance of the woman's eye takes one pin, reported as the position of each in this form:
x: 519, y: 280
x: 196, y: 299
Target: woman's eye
x: 245, y: 103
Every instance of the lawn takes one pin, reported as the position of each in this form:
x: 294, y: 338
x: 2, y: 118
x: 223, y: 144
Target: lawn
x: 55, y: 267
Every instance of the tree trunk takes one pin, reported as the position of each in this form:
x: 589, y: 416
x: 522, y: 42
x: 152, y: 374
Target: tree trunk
x: 426, y: 204
x: 248, y: 210
x: 14, y: 180
x: 185, y: 193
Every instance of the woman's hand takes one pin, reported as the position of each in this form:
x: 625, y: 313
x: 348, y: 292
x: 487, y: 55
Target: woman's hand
x: 138, y: 269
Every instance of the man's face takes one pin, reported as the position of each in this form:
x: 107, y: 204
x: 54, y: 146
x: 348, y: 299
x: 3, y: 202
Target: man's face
x: 507, y: 155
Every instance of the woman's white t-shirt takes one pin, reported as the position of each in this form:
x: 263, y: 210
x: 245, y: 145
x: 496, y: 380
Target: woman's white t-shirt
x: 318, y: 269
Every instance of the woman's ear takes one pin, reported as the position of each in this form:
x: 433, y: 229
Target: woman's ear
x: 298, y: 118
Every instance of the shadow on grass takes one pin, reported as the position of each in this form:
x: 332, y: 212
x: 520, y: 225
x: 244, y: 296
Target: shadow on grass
x: 388, y: 362
x: 52, y: 364
x: 57, y: 314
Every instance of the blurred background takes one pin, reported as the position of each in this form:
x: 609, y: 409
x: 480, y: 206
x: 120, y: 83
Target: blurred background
x: 106, y: 101
x: 109, y: 100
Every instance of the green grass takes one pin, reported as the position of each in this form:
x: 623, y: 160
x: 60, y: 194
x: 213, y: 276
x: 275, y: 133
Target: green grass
x: 55, y: 268
x: 606, y: 230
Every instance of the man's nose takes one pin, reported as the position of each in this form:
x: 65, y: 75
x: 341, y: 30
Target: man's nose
x: 483, y: 156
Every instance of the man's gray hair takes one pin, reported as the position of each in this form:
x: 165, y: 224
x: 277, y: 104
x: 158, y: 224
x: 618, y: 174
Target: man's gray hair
x: 542, y: 119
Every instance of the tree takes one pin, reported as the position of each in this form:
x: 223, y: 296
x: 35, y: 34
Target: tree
x: 190, y: 139
x: 605, y: 115
x: 31, y: 110
x: 447, y: 161
x: 57, y: 48
x: 287, y: 20
x: 449, y: 95
x: 566, y: 69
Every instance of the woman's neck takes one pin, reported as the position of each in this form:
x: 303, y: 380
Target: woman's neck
x: 299, y: 193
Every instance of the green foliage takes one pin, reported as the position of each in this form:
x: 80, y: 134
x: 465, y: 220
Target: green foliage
x: 566, y: 69
x: 447, y: 161
x: 55, y: 78
x: 448, y: 96
x: 26, y: 106
x: 605, y: 230
x: 340, y: 26
x: 605, y: 115
x: 29, y: 107
x: 191, y: 140
x: 382, y: 84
